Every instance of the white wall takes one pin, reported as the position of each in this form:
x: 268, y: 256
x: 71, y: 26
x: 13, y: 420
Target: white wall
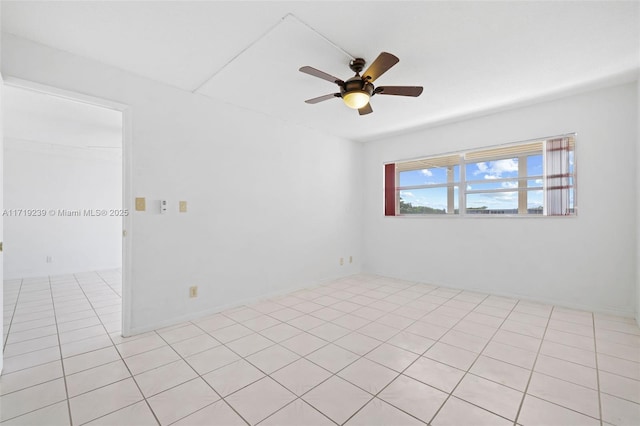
x: 587, y: 261
x: 1, y: 219
x: 272, y: 205
x: 49, y: 177
x: 638, y: 210
x: 1, y: 204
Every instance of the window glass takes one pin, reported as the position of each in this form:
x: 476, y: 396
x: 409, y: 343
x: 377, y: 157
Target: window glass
x: 493, y: 203
x: 499, y: 180
x: 488, y: 170
x: 427, y: 200
x: 429, y: 176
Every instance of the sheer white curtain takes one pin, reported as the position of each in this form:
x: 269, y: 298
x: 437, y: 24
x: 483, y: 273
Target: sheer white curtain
x: 558, y: 176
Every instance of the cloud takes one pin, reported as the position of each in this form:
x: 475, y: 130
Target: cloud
x: 506, y: 196
x: 406, y: 194
x: 495, y: 169
x: 509, y: 184
x: 508, y: 165
x: 426, y: 172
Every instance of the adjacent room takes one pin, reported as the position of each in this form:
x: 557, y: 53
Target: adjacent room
x: 67, y: 156
x: 319, y: 213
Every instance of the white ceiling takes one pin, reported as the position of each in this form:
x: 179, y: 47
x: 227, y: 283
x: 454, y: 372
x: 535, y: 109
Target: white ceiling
x: 35, y: 117
x: 469, y: 56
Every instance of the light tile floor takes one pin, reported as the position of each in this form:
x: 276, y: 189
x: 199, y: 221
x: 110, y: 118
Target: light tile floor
x: 363, y: 350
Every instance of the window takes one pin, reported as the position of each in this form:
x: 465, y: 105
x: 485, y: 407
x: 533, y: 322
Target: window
x: 529, y: 179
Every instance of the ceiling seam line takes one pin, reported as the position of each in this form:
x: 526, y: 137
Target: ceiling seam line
x: 57, y: 145
x: 349, y: 55
x: 273, y: 27
x: 263, y: 35
x: 275, y: 117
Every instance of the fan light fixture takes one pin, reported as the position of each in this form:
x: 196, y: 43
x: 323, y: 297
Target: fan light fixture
x: 356, y: 91
x: 356, y: 99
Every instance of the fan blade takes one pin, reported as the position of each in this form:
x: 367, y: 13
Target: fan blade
x: 414, y: 91
x: 383, y: 62
x: 322, y: 98
x: 321, y: 74
x: 365, y: 110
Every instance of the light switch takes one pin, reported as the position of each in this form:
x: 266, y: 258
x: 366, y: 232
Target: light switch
x: 141, y: 204
x: 183, y: 207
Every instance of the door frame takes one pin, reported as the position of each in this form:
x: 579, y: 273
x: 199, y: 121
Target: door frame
x: 127, y: 177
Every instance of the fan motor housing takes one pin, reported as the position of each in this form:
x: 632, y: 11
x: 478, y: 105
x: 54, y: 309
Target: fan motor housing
x: 357, y: 65
x: 357, y: 83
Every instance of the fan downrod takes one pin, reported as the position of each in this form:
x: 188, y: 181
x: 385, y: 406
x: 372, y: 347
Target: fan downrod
x: 357, y: 65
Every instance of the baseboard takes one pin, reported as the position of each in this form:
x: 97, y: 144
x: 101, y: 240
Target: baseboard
x: 248, y: 301
x: 220, y: 308
x: 527, y: 298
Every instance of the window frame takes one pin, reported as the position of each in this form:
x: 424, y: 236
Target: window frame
x: 476, y: 155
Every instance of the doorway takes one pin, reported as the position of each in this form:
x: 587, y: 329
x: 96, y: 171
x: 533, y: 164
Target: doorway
x: 65, y: 207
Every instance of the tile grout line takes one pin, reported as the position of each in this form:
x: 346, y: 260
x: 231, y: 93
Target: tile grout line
x: 109, y: 285
x: 467, y: 371
x: 201, y: 377
x: 300, y: 357
x: 264, y: 372
x: 64, y: 375
x: 249, y: 362
x: 52, y: 334
x: 253, y: 353
x: 566, y: 360
x: 524, y: 393
x: 438, y: 340
x: 121, y: 359
x: 32, y: 386
x: 332, y: 374
x: 384, y: 313
x: 49, y: 335
x: 370, y: 321
x: 340, y: 300
x: 47, y: 381
x: 413, y: 362
x: 13, y: 314
x: 39, y: 309
x: 298, y: 398
x: 595, y: 350
x: 419, y: 356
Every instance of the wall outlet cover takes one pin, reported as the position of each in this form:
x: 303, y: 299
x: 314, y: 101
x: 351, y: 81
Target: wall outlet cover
x: 141, y: 204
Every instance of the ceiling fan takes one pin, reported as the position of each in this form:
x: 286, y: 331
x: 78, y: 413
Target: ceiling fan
x: 356, y: 91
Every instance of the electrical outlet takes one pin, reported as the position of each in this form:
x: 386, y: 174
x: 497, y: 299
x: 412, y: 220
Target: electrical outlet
x: 193, y: 291
x: 49, y: 259
x: 350, y: 259
x: 341, y: 261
